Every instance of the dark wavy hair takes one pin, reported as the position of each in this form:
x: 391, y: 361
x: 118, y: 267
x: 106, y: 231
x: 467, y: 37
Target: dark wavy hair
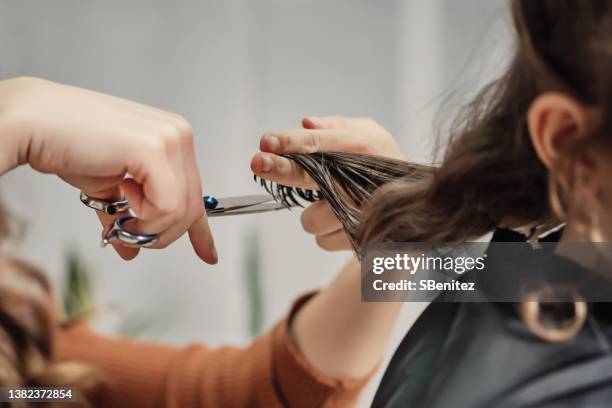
x: 490, y: 175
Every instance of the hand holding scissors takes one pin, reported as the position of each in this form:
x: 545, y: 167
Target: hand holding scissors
x: 92, y: 141
x: 120, y: 233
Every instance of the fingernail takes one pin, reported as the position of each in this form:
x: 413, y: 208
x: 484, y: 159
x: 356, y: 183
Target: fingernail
x: 318, y: 122
x: 266, y: 163
x: 271, y: 143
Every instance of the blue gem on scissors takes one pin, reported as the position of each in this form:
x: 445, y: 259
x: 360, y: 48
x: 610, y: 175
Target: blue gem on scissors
x: 210, y: 202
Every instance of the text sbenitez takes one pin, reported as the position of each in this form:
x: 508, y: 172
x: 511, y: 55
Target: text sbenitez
x: 425, y: 285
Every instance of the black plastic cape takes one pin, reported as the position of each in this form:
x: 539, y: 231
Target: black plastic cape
x: 482, y: 355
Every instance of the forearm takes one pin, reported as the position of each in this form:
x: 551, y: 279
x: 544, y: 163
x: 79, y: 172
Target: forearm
x: 268, y: 373
x: 338, y: 334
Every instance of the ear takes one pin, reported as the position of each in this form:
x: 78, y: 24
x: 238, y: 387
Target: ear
x: 554, y: 119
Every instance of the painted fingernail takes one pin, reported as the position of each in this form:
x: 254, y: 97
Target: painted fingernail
x: 266, y: 163
x: 316, y: 121
x: 271, y: 143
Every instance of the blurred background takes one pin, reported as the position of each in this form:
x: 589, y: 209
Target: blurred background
x: 234, y: 69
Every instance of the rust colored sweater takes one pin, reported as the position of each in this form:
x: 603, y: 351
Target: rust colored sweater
x: 269, y: 373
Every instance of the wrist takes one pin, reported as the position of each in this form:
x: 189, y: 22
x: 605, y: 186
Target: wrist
x: 15, y: 127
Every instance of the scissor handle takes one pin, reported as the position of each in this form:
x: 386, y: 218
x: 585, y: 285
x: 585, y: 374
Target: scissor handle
x: 117, y: 232
x: 106, y: 206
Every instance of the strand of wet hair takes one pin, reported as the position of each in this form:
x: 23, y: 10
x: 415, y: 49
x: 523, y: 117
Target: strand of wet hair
x: 346, y: 180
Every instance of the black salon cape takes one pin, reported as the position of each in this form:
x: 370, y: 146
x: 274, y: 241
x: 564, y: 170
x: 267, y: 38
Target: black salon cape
x: 482, y: 355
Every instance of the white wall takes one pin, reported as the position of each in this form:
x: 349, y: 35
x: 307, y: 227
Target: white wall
x: 235, y: 69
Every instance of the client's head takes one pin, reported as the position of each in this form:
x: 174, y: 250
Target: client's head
x: 533, y: 148
x: 535, y: 145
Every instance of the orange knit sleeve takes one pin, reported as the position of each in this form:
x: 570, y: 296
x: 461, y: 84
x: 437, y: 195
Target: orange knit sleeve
x: 269, y: 373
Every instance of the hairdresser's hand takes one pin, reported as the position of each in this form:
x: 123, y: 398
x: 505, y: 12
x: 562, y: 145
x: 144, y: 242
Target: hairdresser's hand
x: 92, y: 141
x: 324, y: 134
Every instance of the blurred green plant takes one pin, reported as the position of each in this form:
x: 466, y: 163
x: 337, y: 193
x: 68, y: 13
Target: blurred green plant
x: 252, y: 270
x: 77, y: 293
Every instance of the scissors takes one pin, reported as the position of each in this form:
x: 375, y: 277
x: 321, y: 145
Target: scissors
x: 215, y: 207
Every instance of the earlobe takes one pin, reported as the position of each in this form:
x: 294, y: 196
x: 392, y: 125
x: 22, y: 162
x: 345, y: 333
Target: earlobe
x: 553, y: 120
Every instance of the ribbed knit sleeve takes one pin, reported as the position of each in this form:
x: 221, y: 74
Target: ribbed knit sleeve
x: 269, y: 373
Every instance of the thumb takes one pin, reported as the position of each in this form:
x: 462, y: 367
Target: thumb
x: 134, y: 194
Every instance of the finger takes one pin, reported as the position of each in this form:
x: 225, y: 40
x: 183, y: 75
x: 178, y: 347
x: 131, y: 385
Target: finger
x: 191, y: 215
x: 175, y: 223
x: 202, y: 240
x: 281, y: 170
x: 200, y: 234
x: 319, y: 219
x: 98, y: 187
x: 313, y: 140
x: 335, y: 241
x: 159, y: 200
x: 126, y: 253
x: 326, y: 122
x: 339, y: 122
x: 134, y: 194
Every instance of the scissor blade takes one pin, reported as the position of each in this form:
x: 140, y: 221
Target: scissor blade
x: 230, y: 203
x: 250, y: 209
